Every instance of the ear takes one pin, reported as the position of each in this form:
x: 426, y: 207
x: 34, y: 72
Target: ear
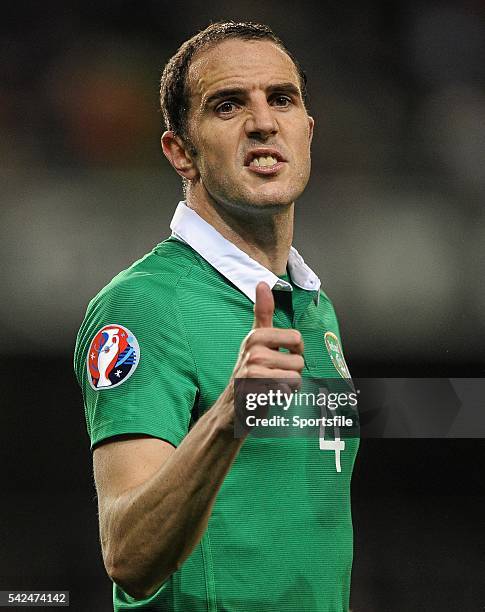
x: 311, y: 125
x: 177, y: 154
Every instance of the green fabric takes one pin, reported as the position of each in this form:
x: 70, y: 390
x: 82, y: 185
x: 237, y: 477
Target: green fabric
x: 280, y: 534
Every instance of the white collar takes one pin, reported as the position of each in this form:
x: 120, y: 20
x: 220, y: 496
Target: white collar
x: 231, y: 262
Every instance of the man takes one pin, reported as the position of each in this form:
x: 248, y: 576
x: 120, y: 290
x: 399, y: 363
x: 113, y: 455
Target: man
x: 193, y: 518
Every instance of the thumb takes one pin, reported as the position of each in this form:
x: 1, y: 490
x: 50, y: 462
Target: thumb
x: 263, y: 306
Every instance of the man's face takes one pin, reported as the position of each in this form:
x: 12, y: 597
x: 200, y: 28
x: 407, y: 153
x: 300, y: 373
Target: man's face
x: 248, y: 124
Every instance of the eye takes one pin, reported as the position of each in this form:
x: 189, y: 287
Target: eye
x: 282, y: 101
x: 226, y: 108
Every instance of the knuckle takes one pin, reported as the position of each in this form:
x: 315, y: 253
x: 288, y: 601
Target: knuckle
x: 243, y: 372
x: 256, y: 357
x: 255, y: 337
x: 251, y: 371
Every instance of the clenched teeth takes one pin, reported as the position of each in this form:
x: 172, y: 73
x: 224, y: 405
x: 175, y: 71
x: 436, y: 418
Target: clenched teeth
x: 264, y: 161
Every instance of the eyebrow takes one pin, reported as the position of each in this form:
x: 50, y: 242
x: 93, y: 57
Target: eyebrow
x: 230, y: 92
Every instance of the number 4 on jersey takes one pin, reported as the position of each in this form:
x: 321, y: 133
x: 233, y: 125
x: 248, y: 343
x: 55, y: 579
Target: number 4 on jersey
x: 336, y: 444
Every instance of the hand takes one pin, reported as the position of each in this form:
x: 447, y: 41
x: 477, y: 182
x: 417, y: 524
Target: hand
x: 261, y: 365
x: 260, y: 356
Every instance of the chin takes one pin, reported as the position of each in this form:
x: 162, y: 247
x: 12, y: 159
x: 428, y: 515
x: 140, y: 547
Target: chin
x: 274, y: 197
x: 267, y: 198
x: 265, y: 202
x: 282, y: 192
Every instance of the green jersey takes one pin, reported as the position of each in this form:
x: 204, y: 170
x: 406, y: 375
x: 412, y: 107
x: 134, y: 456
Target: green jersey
x: 156, y: 349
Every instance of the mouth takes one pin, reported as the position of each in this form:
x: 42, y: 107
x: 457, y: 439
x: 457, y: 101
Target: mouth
x: 264, y: 160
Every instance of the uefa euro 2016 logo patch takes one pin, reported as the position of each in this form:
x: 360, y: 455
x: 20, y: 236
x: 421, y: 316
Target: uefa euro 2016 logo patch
x: 336, y: 354
x: 113, y: 356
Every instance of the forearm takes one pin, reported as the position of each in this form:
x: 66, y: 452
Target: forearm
x: 149, y: 531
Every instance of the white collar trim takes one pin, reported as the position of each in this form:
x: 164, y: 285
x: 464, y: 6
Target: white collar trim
x: 231, y: 262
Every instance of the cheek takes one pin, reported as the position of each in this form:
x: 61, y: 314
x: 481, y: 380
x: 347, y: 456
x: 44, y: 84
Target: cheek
x: 219, y: 156
x: 223, y: 140
x: 305, y: 151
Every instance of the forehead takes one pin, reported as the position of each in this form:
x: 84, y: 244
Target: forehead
x: 240, y: 63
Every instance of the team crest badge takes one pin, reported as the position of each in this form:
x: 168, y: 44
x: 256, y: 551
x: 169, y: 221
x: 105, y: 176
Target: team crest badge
x: 112, y: 358
x: 336, y: 354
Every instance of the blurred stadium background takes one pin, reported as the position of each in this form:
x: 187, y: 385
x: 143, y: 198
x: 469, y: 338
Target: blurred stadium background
x: 393, y: 220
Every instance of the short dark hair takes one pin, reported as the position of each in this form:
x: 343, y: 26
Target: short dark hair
x: 174, y: 93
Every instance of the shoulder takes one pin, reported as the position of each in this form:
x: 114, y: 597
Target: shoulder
x: 163, y: 267
x: 142, y: 299
x: 148, y: 282
x: 325, y: 304
x: 327, y: 313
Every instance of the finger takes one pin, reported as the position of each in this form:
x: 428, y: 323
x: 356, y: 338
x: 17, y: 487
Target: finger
x: 274, y: 376
x: 278, y: 374
x: 263, y: 306
x: 276, y: 338
x: 270, y: 358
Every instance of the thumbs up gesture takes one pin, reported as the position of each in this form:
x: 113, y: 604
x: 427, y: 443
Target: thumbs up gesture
x: 260, y: 356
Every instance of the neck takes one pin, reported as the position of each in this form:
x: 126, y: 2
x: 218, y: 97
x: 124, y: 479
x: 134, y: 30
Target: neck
x: 265, y: 236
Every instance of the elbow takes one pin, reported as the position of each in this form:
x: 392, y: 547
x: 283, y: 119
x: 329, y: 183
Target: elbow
x: 128, y: 581
x: 127, y: 575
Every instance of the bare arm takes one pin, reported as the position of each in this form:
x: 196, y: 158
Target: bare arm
x: 154, y: 500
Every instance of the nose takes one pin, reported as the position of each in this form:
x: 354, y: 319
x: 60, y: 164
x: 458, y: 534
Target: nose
x: 261, y: 122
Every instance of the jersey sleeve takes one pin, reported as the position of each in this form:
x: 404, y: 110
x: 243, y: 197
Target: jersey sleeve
x: 134, y: 364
